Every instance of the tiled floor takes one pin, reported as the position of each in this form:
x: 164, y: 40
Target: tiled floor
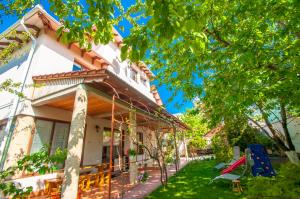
x: 122, y: 189
x: 143, y: 189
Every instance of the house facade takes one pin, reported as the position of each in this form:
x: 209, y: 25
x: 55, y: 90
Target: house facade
x: 75, y: 99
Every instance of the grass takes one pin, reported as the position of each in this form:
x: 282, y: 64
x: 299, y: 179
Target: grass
x: 192, y: 182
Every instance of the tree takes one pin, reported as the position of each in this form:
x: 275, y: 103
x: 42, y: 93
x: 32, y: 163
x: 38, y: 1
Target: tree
x: 237, y: 57
x: 198, y: 124
x: 158, y: 149
x: 246, y: 54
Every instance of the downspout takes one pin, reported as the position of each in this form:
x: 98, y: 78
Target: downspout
x: 16, y: 100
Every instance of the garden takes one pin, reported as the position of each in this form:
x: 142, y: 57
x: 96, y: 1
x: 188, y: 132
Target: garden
x: 193, y: 181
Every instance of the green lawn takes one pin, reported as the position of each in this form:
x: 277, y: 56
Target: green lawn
x: 192, y: 182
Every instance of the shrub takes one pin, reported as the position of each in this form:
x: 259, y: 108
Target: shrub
x: 221, y: 148
x: 197, y: 142
x: 285, y: 185
x: 40, y: 162
x: 264, y: 140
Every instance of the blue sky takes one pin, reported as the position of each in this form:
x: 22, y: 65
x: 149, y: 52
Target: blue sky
x: 164, y: 93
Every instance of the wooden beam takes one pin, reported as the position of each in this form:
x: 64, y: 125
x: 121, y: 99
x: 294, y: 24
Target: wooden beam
x: 20, y: 32
x: 108, y: 114
x: 58, y: 38
x: 70, y: 45
x: 15, y: 39
x: 100, y: 60
x: 2, y: 43
x: 83, y: 51
x: 93, y: 59
x: 34, y: 27
x: 45, y: 21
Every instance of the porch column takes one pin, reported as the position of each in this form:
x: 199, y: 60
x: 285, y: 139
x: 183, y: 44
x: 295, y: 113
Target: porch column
x: 177, y: 163
x: 75, y: 145
x: 21, y: 139
x: 133, y: 146
x: 185, y: 148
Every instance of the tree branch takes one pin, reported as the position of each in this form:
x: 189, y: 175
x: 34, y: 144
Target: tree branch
x: 280, y: 143
x: 217, y: 37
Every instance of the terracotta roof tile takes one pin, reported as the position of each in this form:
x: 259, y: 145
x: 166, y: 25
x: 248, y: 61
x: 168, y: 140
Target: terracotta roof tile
x: 71, y: 74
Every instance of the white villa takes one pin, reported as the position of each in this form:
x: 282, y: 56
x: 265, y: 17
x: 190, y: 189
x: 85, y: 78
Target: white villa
x: 74, y: 99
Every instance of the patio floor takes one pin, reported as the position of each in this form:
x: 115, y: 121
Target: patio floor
x: 121, y: 189
x: 144, y: 189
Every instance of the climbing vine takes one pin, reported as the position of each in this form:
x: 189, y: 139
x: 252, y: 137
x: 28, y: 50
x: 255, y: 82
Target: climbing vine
x: 40, y: 162
x: 17, y: 40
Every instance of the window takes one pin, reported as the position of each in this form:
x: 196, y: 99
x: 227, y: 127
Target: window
x: 144, y: 81
x: 141, y: 142
x: 2, y: 131
x: 133, y: 74
x: 106, y: 153
x: 51, y: 133
x: 106, y: 135
x: 42, y: 135
x: 60, y: 136
x: 76, y: 67
x: 117, y: 151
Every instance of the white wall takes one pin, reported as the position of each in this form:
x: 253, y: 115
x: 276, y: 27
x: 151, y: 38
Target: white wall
x: 52, y: 57
x: 14, y: 71
x: 294, y: 129
x: 93, y: 143
x: 49, y: 57
x: 122, y: 69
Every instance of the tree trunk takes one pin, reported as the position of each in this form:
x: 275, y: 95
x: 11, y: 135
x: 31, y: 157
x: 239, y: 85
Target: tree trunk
x: 293, y: 157
x: 291, y: 154
x: 285, y: 127
x: 161, y: 171
x: 166, y: 173
x: 290, y: 149
x: 276, y: 138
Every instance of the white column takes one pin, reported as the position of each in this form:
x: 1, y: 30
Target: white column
x: 132, y: 138
x: 177, y: 164
x: 75, y: 145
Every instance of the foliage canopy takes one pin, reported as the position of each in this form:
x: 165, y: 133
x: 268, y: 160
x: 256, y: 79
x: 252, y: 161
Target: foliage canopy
x: 239, y: 58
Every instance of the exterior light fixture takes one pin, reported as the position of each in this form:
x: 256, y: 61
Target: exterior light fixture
x: 97, y: 128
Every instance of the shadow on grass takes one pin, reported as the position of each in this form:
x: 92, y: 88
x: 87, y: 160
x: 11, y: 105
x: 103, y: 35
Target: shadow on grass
x: 192, y: 182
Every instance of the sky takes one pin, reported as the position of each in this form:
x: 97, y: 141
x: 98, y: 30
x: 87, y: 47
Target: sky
x: 165, y: 94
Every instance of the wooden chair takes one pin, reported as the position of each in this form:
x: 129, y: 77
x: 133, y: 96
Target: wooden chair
x: 93, y: 180
x: 53, y: 188
x: 83, y: 181
x: 100, y: 168
x: 236, y: 186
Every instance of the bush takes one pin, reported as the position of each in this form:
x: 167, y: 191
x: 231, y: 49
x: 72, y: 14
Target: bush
x: 221, y: 148
x: 285, y: 185
x: 264, y: 140
x: 197, y: 142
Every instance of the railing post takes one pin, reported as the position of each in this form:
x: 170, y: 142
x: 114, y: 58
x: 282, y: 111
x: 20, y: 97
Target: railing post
x: 111, y: 158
